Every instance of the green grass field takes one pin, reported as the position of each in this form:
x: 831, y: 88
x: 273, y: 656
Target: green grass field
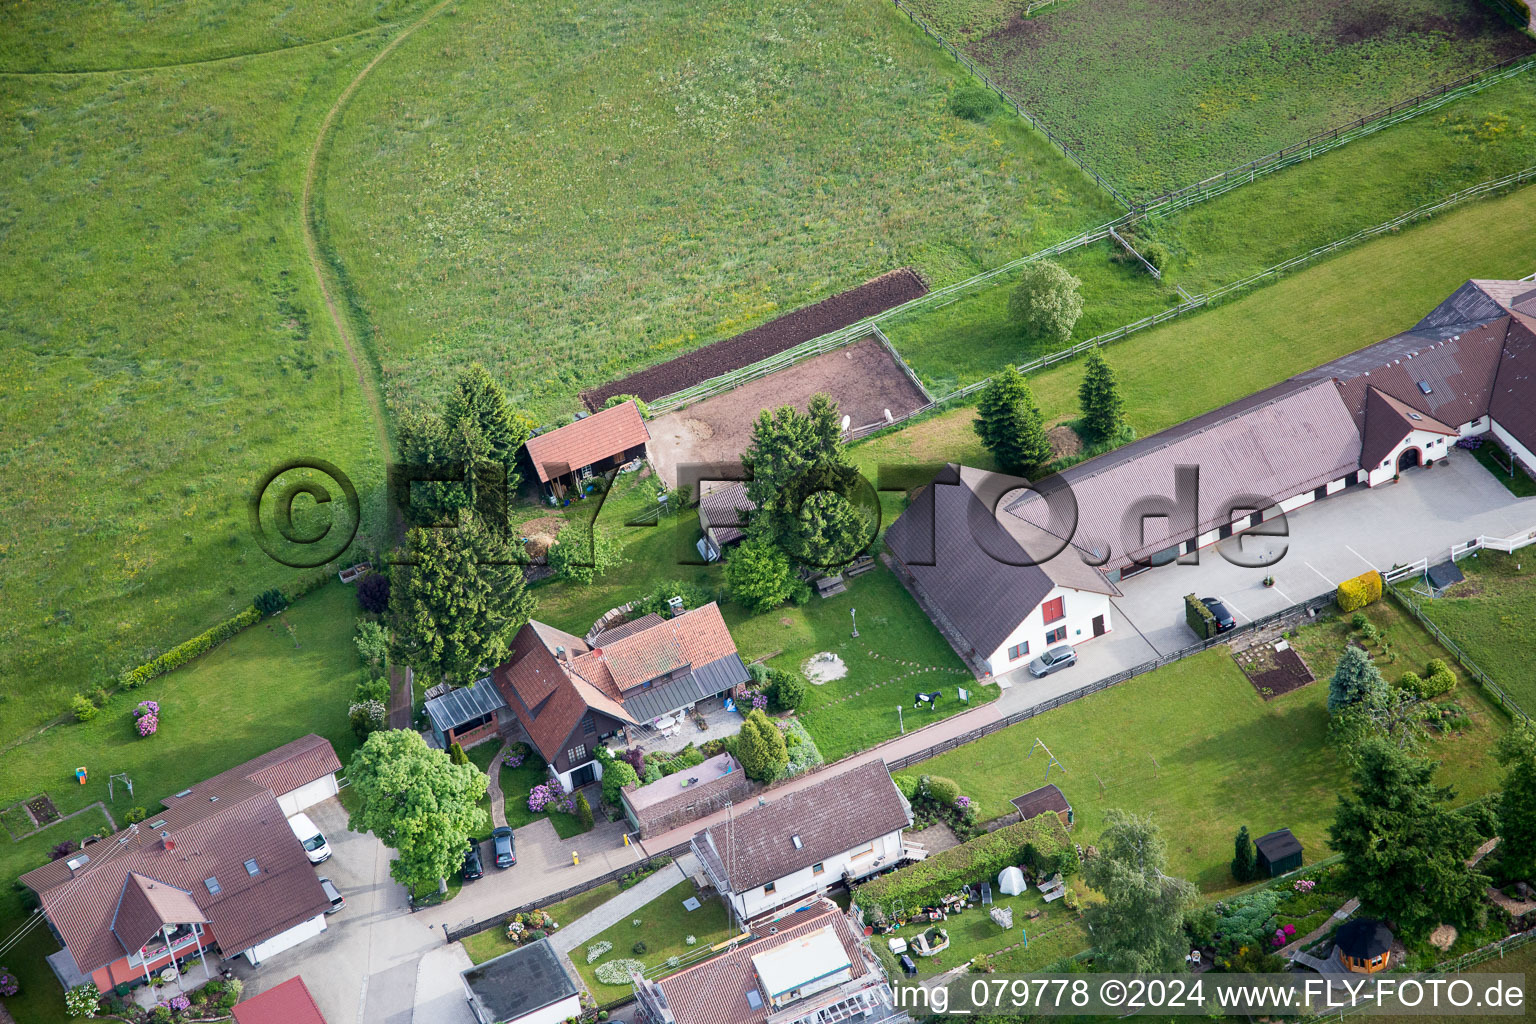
x: 1368, y: 182
x: 1319, y: 313
x: 1489, y: 615
x: 1157, y: 94
x: 493, y: 941
x: 266, y: 686
x: 570, y: 196
x: 163, y: 346
x: 1194, y: 746
x: 79, y: 35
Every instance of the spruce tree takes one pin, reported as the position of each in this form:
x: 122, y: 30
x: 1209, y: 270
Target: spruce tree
x: 792, y: 456
x: 1009, y: 424
x: 1356, y: 681
x: 1099, y: 398
x: 760, y: 747
x: 459, y: 599
x: 1245, y: 863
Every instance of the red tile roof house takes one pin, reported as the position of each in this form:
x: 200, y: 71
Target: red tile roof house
x: 288, y: 1003
x: 813, y: 967
x: 593, y: 444
x: 845, y: 827
x: 1037, y: 572
x: 569, y: 695
x: 218, y: 868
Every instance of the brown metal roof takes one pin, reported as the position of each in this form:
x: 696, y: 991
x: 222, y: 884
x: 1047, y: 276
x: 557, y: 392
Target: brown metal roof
x: 592, y: 439
x: 539, y: 691
x: 1040, y: 801
x: 210, y: 837
x: 625, y: 629
x: 1261, y: 450
x: 696, y: 637
x: 282, y: 770
x: 1387, y: 422
x: 715, y: 991
x: 831, y: 817
x: 722, y: 504
x: 1458, y: 371
x: 1513, y: 404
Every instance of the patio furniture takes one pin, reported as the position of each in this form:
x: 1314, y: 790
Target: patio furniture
x: 1004, y: 917
x: 829, y: 585
x: 859, y: 566
x: 986, y: 893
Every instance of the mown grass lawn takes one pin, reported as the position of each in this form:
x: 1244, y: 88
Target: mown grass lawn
x: 571, y: 195
x: 1157, y: 94
x: 1193, y: 365
x: 664, y: 928
x: 164, y: 346
x: 1262, y: 224
x: 1516, y: 479
x: 262, y: 688
x: 493, y: 941
x: 517, y: 783
x: 1490, y: 616
x: 1195, y: 747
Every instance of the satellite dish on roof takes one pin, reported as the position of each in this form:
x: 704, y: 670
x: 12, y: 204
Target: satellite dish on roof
x: 847, y: 421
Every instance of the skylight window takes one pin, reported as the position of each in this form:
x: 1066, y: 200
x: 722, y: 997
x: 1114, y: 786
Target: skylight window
x: 251, y: 868
x: 796, y: 840
x: 1424, y: 387
x: 1415, y: 416
x: 213, y: 886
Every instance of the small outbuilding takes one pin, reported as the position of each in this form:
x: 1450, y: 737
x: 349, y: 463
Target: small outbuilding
x: 466, y: 715
x: 564, y: 457
x: 1364, y: 945
x: 1044, y: 800
x: 1011, y: 881
x: 529, y: 985
x: 1278, y: 852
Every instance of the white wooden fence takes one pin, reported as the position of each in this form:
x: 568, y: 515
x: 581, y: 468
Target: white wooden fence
x: 1508, y: 545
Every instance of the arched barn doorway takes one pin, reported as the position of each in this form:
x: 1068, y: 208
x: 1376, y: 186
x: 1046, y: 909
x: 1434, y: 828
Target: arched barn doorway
x: 1410, y: 458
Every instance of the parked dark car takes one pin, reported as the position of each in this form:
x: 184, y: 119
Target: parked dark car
x: 501, y: 841
x: 333, y: 894
x: 471, y: 869
x: 1053, y: 660
x: 1224, y: 619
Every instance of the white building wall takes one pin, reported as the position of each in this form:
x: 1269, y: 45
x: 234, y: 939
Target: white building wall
x: 1080, y: 607
x: 566, y: 777
x: 1477, y: 426
x: 296, y: 800
x: 797, y: 884
x: 285, y: 940
x: 555, y: 1013
x: 1433, y: 447
x: 1522, y: 453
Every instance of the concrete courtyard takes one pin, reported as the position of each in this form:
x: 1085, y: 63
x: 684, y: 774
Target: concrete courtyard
x: 1419, y: 516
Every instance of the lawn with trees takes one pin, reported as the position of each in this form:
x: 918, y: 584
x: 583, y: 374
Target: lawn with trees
x: 1207, y: 756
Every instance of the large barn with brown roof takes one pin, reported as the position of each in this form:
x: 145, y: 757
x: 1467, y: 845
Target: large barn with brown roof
x: 570, y: 695
x: 218, y: 868
x: 1007, y: 574
x: 604, y: 440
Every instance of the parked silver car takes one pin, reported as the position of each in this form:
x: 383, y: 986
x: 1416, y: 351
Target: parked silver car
x: 1053, y: 660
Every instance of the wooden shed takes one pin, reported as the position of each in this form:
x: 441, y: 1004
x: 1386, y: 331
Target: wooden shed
x: 1364, y: 945
x: 1278, y: 852
x: 1046, y: 799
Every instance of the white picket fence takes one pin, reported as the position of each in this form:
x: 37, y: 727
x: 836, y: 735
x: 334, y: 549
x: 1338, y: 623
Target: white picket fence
x: 1508, y: 545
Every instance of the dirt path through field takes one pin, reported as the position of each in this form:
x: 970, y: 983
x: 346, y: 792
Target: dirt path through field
x: 66, y: 72
x: 312, y: 245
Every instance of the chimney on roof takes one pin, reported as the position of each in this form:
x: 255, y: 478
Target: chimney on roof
x: 674, y: 607
x: 165, y: 838
x: 560, y: 653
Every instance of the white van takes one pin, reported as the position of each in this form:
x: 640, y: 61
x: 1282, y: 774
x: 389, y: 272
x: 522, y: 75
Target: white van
x: 315, y: 846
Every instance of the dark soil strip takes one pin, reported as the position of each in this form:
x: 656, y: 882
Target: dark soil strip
x: 849, y: 307
x: 1284, y: 673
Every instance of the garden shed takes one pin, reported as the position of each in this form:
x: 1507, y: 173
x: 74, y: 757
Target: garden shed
x: 1041, y: 801
x: 1364, y: 945
x: 1278, y: 852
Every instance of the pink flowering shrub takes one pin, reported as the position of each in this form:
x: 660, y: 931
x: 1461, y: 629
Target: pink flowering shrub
x: 1304, y: 885
x: 540, y: 797
x: 178, y: 1003
x: 1290, y: 931
x: 514, y: 761
x: 759, y: 700
x: 9, y: 986
x: 146, y: 717
x: 962, y: 802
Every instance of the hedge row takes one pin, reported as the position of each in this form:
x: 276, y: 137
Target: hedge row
x: 184, y: 652
x: 1360, y: 591
x: 1042, y: 843
x: 1199, y: 617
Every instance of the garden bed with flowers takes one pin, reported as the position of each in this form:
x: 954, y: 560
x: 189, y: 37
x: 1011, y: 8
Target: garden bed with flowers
x: 530, y: 795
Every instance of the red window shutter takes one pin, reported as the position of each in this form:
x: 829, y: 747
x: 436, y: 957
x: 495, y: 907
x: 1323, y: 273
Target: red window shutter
x: 1055, y: 609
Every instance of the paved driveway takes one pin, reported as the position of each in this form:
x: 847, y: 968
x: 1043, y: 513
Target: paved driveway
x: 1420, y: 516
